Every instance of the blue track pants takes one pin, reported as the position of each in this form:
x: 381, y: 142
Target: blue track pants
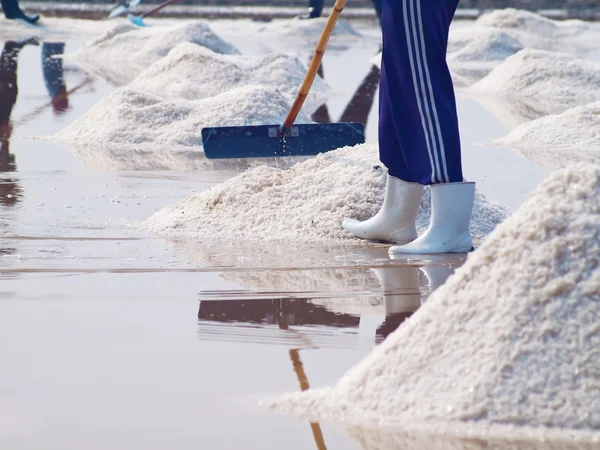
x: 418, y: 124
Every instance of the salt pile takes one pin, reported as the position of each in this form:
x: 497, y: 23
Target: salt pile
x: 512, y: 338
x: 558, y: 140
x: 306, y: 203
x: 481, y: 44
x: 550, y: 82
x: 128, y: 120
x: 193, y: 72
x: 123, y: 51
x: 534, y: 31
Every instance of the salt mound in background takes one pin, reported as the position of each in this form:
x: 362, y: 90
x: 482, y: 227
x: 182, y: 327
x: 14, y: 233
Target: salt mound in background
x: 550, y: 82
x: 127, y: 122
x: 534, y: 31
x: 473, y: 52
x: 558, y: 140
x: 511, y: 338
x: 481, y: 44
x: 306, y: 203
x: 193, y: 72
x: 298, y: 28
x: 120, y: 54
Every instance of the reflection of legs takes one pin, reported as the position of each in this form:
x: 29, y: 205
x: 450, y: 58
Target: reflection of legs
x: 402, y: 296
x: 359, y: 107
x: 8, y: 98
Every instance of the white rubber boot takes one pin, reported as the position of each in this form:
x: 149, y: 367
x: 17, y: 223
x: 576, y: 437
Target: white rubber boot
x: 448, y: 232
x: 395, y: 221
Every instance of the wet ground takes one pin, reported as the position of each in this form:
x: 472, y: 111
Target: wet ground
x: 114, y: 339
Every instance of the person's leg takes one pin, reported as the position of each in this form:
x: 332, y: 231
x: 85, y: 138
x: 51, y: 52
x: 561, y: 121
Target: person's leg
x: 12, y: 10
x: 420, y: 91
x: 432, y: 150
x: 315, y: 9
x: 377, y: 4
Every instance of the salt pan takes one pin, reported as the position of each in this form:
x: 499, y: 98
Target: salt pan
x: 558, y: 140
x: 306, y: 203
x: 549, y: 82
x: 512, y: 338
x: 122, y: 52
x: 193, y: 72
x: 127, y: 123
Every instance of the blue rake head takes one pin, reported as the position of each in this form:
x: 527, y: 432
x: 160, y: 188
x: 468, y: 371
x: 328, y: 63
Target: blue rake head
x: 136, y: 20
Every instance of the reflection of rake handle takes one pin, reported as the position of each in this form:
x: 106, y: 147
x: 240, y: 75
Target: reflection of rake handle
x: 303, y: 380
x: 27, y: 117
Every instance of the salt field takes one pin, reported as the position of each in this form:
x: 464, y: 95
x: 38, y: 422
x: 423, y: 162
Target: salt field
x: 153, y: 298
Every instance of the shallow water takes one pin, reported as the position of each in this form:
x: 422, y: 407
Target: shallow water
x: 113, y: 339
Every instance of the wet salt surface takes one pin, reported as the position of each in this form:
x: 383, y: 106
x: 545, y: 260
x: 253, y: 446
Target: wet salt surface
x: 108, y: 344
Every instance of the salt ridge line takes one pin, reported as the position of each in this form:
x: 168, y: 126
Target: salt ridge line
x: 487, y: 352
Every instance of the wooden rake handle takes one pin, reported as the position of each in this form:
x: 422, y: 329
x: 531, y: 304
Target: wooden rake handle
x: 314, y: 65
x: 158, y: 8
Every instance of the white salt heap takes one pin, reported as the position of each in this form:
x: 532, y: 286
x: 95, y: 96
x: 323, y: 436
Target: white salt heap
x: 128, y: 120
x: 305, y: 203
x: 534, y: 31
x: 481, y: 44
x: 123, y: 51
x: 193, y: 72
x: 550, y: 82
x: 558, y: 140
x: 513, y: 337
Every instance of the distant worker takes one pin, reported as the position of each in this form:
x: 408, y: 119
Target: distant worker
x: 13, y: 11
x: 419, y: 139
x: 315, y: 9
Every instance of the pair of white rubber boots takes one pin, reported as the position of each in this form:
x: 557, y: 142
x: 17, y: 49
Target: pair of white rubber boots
x: 448, y: 232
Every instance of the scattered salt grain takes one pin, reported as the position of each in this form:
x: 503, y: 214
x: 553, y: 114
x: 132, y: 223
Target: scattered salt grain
x: 122, y: 52
x: 130, y: 129
x: 558, y: 140
x: 512, y: 338
x: 193, y: 72
x: 550, y: 82
x: 305, y: 203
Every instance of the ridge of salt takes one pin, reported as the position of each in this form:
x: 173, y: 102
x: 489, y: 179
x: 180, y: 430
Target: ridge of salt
x: 194, y: 72
x: 512, y: 338
x: 558, y: 140
x: 550, y: 82
x: 124, y: 50
x: 305, y: 203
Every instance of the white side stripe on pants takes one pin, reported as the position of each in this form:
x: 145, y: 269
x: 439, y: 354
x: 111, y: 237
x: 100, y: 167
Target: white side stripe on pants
x: 433, y: 105
x: 423, y: 91
x: 417, y: 95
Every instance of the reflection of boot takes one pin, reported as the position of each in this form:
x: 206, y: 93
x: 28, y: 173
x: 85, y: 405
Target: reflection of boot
x: 402, y: 296
x: 395, y: 221
x: 448, y: 232
x: 437, y: 275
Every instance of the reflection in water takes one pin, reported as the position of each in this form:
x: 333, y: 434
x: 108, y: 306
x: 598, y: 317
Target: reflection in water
x: 305, y: 385
x: 10, y: 191
x: 359, y: 106
x: 293, y: 322
x: 52, y: 68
